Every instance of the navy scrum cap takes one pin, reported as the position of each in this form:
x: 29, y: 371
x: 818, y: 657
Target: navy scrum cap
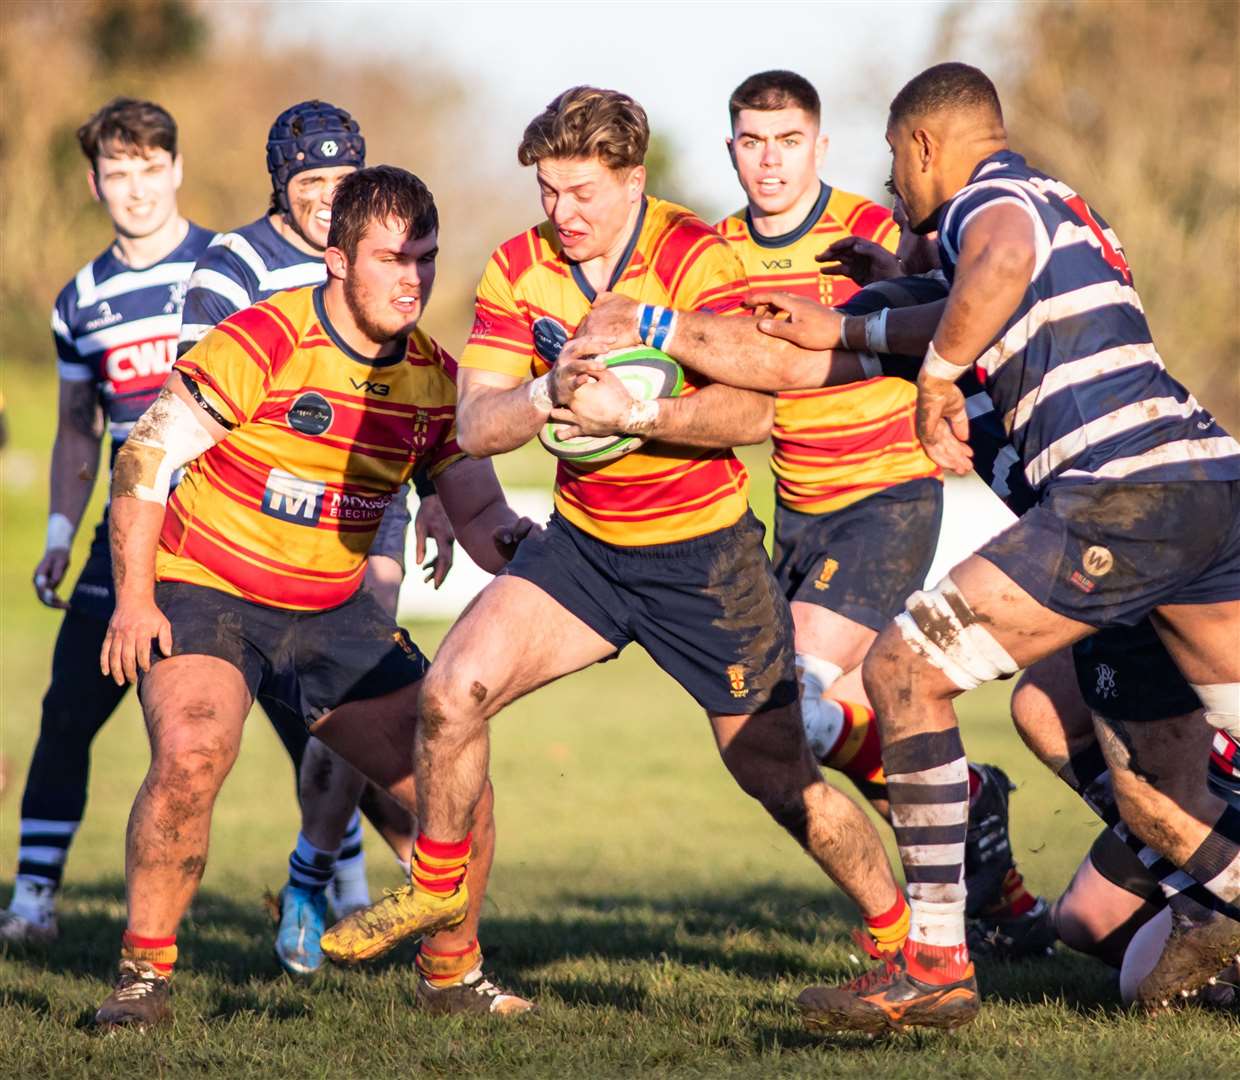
x: 311, y: 135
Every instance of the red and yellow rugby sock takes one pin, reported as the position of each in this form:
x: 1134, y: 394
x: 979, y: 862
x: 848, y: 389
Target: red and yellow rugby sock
x: 438, y: 868
x: 857, y: 752
x: 937, y: 964
x: 160, y: 953
x: 1016, y: 899
x: 890, y: 929
x: 448, y: 967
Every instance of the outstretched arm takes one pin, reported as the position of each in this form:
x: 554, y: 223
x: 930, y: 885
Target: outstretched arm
x: 487, y: 527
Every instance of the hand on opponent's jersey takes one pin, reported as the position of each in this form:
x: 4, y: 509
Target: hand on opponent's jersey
x: 943, y: 423
x: 127, y: 646
x: 809, y: 324
x: 49, y: 574
x: 864, y: 261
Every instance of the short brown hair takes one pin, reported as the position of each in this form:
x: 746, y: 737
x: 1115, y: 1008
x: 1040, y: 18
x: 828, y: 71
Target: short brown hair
x: 129, y: 126
x: 585, y: 122
x: 380, y: 193
x: 771, y: 90
x: 946, y: 86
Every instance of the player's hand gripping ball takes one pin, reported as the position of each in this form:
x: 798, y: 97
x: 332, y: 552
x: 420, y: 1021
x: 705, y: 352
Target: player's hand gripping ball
x: 646, y: 374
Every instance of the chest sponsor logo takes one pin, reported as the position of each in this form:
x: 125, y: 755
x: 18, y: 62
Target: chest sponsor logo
x: 344, y: 506
x: 549, y: 338
x: 776, y: 264
x: 141, y: 360
x: 291, y: 498
x: 367, y: 387
x: 310, y: 413
x: 105, y: 316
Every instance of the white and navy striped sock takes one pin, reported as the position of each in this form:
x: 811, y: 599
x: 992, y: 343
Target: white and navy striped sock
x: 349, y: 887
x: 928, y: 785
x: 43, y: 848
x: 309, y: 867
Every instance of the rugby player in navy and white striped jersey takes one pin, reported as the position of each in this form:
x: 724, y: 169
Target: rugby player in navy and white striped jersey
x: 115, y: 329
x: 1138, y: 514
x: 311, y: 147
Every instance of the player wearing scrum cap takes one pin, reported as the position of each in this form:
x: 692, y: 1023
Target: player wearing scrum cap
x: 115, y: 327
x: 311, y: 147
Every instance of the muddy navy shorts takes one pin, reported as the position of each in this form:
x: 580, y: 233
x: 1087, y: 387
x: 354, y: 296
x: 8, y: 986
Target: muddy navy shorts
x: 1125, y: 673
x: 322, y: 658
x: 1104, y: 553
x: 707, y: 610
x: 862, y: 561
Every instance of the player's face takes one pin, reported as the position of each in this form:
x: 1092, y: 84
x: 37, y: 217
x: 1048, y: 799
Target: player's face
x: 310, y: 195
x: 139, y: 190
x: 387, y: 284
x: 777, y: 155
x: 919, y: 254
x: 589, y: 203
x: 912, y: 176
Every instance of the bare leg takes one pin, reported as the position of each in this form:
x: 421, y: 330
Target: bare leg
x: 329, y: 788
x: 194, y: 708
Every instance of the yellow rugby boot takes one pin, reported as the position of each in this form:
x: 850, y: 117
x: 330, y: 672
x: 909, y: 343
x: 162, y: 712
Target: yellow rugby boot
x: 372, y: 931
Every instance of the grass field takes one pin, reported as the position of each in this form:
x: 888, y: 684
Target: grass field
x: 663, y: 924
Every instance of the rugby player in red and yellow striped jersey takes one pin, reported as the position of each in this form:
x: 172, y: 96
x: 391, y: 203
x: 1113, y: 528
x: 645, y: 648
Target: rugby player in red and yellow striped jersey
x: 298, y: 420
x: 658, y: 547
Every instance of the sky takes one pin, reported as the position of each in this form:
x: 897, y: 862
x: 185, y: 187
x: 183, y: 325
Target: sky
x: 680, y: 60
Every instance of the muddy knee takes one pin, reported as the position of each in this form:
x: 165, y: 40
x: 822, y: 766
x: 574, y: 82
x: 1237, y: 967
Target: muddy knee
x: 450, y: 707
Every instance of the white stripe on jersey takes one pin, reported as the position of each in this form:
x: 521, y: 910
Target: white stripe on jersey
x: 1078, y: 371
x: 222, y: 285
x: 131, y: 280
x: 311, y: 272
x: 1222, y: 446
x: 123, y: 333
x: 75, y: 372
x: 1133, y: 415
x: 1052, y: 309
x: 60, y: 328
x: 84, y: 283
x: 1018, y: 197
x: 194, y: 332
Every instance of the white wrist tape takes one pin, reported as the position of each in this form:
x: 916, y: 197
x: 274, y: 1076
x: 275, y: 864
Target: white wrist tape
x: 871, y: 366
x: 641, y: 418
x: 876, y: 331
x: 938, y: 367
x: 60, y: 532
x: 169, y: 435
x: 844, y: 342
x: 540, y: 394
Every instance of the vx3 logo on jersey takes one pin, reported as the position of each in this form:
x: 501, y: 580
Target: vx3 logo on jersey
x: 776, y: 264
x: 366, y: 386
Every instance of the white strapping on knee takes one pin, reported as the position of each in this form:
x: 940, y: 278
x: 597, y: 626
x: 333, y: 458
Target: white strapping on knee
x: 1222, y: 705
x: 939, y: 624
x: 823, y: 719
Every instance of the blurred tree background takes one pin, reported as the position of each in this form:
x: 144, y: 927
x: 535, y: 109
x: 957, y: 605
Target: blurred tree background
x: 1135, y: 104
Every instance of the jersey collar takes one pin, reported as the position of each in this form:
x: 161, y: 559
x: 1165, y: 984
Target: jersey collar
x: 791, y: 237
x: 580, y: 277
x: 320, y: 309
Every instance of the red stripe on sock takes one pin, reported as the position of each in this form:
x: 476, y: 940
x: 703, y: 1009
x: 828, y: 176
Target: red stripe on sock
x: 456, y: 952
x: 135, y: 942
x: 888, y: 917
x: 439, y: 849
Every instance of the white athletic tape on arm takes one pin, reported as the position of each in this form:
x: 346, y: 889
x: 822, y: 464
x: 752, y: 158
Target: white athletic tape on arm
x: 60, y: 532
x: 876, y: 331
x: 939, y: 625
x: 939, y: 367
x: 642, y: 417
x: 871, y: 366
x: 1222, y: 705
x: 177, y: 431
x: 823, y: 719
x: 540, y: 394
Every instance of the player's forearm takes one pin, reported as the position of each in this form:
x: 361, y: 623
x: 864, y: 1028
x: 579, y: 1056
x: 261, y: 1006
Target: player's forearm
x: 734, y: 352
x: 133, y: 532
x: 477, y: 536
x: 715, y: 417
x: 492, y: 421
x: 75, y: 464
x: 908, y: 330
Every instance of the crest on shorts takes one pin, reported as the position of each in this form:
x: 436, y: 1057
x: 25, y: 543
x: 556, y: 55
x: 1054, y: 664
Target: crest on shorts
x: 1105, y: 688
x: 829, y: 567
x: 736, y: 678
x: 1097, y: 561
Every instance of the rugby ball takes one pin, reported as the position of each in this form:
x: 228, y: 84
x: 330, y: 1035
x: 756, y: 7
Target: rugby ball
x: 646, y: 374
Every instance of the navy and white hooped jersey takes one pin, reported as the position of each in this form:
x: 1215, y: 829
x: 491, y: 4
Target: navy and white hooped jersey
x: 239, y: 269
x: 117, y: 328
x: 1075, y: 376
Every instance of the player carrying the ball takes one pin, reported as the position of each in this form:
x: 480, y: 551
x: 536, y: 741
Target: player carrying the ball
x: 657, y: 547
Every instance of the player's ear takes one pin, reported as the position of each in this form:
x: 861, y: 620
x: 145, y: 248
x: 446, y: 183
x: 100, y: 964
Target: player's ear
x: 730, y: 143
x: 178, y: 172
x: 820, y: 149
x: 337, y: 262
x: 637, y: 182
x: 92, y: 182
x: 925, y: 147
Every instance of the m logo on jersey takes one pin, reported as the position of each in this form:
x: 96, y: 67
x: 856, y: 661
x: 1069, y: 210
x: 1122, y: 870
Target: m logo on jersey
x: 549, y: 338
x: 291, y: 498
x: 310, y: 413
x: 329, y: 148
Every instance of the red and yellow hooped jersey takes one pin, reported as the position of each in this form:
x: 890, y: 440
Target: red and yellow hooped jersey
x: 531, y: 300
x: 282, y: 511
x: 834, y: 445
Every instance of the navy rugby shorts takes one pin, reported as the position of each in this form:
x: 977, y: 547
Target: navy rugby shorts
x: 1125, y: 673
x: 864, y: 560
x: 326, y: 658
x: 1110, y: 553
x: 707, y: 610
